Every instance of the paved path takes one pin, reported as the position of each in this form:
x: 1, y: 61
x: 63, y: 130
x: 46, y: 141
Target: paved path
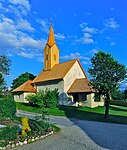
x: 82, y: 135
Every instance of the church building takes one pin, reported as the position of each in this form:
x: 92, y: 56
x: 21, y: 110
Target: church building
x: 68, y: 77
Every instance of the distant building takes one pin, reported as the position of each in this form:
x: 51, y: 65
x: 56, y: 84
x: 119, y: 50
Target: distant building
x: 69, y: 77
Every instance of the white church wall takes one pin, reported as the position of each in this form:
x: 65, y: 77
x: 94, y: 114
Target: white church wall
x: 51, y: 85
x: 22, y: 97
x: 74, y: 73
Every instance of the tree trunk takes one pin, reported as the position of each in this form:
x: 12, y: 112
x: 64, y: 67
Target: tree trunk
x: 107, y: 105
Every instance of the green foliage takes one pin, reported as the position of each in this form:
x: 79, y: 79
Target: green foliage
x: 51, y: 98
x: 119, y: 103
x: 4, y: 69
x: 4, y: 65
x: 21, y: 79
x: 125, y: 93
x: 9, y: 133
x: 38, y: 127
x: 118, y: 95
x: 106, y: 72
x: 47, y: 98
x: 7, y: 108
x: 36, y: 100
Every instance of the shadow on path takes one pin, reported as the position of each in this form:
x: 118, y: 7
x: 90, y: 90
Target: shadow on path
x: 107, y: 135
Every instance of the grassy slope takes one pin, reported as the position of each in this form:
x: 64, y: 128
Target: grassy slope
x: 118, y: 114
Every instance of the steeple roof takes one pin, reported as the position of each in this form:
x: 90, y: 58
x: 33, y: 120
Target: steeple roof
x: 51, y: 38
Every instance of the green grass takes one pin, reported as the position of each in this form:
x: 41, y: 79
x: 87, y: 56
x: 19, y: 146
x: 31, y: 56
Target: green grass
x: 118, y: 114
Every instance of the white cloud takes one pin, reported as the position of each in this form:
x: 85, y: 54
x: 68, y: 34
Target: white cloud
x: 75, y: 55
x: 111, y: 23
x: 29, y: 42
x: 93, y: 51
x: 87, y: 38
x: 88, y: 32
x: 113, y: 43
x: 59, y: 36
x: 25, y: 25
x: 85, y: 28
x: 44, y: 25
x: 26, y: 55
x: 15, y: 32
x: 24, y: 3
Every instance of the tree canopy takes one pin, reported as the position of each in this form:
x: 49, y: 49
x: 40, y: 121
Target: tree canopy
x: 4, y: 65
x: 4, y: 68
x: 106, y: 73
x: 21, y: 79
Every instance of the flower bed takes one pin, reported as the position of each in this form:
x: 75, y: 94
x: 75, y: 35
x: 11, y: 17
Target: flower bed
x: 28, y: 131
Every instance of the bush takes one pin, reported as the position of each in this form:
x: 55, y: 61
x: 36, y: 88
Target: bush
x: 36, y: 100
x: 51, y: 98
x: 47, y: 98
x: 7, y: 108
x: 119, y: 103
x: 9, y: 133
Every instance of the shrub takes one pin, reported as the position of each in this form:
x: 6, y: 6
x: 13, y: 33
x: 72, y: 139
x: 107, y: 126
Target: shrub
x: 7, y: 108
x: 9, y: 133
x: 119, y: 103
x: 47, y: 98
x: 37, y: 99
x: 51, y: 98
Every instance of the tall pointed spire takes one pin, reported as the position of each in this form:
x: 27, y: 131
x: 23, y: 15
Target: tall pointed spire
x: 51, y: 38
x: 51, y: 51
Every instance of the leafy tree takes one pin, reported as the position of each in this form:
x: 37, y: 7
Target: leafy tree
x: 106, y: 73
x: 21, y: 79
x: 4, y: 69
x: 118, y: 95
x: 4, y: 65
x: 125, y: 93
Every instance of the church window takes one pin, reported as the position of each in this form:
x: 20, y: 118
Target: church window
x: 54, y: 57
x: 46, y: 57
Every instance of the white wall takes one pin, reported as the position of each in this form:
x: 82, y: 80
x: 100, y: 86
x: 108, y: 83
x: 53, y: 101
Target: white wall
x: 22, y: 97
x: 51, y: 85
x: 74, y: 73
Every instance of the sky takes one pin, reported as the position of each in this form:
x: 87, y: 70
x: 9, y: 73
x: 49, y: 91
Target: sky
x: 81, y: 27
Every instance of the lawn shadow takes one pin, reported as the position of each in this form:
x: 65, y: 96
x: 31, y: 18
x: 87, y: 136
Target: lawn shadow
x: 117, y: 109
x: 111, y: 136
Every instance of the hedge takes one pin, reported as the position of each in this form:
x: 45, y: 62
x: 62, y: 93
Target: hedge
x: 119, y: 103
x: 7, y: 108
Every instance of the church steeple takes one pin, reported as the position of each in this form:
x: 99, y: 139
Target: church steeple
x: 51, y: 38
x: 51, y: 51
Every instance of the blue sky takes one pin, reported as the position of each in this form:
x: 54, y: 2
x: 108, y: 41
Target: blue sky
x: 81, y: 29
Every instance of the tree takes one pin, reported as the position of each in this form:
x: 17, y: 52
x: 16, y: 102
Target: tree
x: 125, y: 93
x: 4, y: 69
x: 106, y: 73
x: 22, y: 79
x: 4, y: 65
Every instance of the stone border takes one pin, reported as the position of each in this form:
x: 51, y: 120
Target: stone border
x: 27, y: 141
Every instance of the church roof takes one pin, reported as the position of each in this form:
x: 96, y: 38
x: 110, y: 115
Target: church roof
x: 51, y: 38
x: 80, y: 86
x: 57, y: 72
x: 25, y: 87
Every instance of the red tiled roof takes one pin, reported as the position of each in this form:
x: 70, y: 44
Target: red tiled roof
x: 57, y: 72
x: 80, y: 86
x: 25, y: 87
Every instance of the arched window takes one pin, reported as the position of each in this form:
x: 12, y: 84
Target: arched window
x: 55, y: 57
x: 47, y: 57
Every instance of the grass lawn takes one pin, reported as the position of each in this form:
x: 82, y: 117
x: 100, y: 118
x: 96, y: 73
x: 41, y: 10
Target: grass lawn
x: 118, y: 114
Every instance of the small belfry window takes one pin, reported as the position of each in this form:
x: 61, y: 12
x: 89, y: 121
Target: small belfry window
x: 46, y: 57
x: 54, y: 57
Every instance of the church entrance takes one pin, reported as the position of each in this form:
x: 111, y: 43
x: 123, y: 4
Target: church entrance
x: 76, y: 97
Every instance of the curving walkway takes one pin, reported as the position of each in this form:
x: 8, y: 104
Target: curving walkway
x: 82, y: 135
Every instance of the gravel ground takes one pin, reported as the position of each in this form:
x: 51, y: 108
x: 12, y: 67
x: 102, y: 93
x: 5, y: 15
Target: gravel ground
x: 82, y: 135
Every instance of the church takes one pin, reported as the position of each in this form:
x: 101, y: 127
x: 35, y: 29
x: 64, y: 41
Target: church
x: 68, y: 77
